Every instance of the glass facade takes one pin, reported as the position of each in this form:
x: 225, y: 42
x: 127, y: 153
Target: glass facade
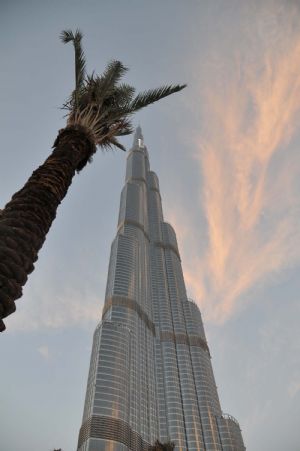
x: 150, y: 374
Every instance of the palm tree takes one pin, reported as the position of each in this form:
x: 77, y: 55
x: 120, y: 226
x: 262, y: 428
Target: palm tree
x: 98, y: 111
x: 158, y: 446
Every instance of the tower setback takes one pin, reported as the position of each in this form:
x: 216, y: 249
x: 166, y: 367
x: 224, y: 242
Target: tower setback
x: 150, y: 374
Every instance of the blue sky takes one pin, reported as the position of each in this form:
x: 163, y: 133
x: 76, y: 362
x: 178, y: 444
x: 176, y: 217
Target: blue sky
x: 226, y: 151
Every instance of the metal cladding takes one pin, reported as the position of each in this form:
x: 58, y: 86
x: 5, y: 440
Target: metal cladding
x: 150, y: 374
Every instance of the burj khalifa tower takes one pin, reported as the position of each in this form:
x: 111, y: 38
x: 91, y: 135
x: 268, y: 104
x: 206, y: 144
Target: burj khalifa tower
x: 150, y: 375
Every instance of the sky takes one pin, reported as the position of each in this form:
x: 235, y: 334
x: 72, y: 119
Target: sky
x: 226, y: 150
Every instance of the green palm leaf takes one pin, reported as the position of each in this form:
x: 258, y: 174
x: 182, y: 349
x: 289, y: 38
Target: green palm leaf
x: 113, y: 73
x: 152, y: 95
x: 116, y: 143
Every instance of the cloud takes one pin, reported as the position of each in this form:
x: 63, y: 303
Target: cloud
x: 44, y: 352
x: 53, y: 309
x: 62, y: 292
x: 248, y: 160
x: 294, y: 388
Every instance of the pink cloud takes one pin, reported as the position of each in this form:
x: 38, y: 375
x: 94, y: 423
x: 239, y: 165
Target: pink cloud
x: 251, y: 110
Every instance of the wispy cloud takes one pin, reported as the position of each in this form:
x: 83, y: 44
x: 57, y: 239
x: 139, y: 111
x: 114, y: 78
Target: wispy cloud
x: 248, y: 161
x: 44, y: 352
x: 294, y: 388
x: 48, y: 310
x: 61, y: 293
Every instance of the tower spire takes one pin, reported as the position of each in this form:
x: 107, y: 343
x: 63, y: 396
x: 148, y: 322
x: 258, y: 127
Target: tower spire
x: 138, y: 140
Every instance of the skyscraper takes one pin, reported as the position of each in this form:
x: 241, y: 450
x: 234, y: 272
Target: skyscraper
x: 150, y: 373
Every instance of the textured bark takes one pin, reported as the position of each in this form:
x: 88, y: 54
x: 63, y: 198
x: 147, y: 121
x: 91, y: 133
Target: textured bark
x: 26, y: 219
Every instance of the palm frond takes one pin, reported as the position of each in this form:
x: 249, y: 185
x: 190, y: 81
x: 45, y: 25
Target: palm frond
x: 104, y: 89
x: 125, y: 131
x: 68, y: 36
x: 123, y: 94
x: 102, y: 104
x: 116, y: 143
x: 113, y: 73
x: 79, y: 60
x: 124, y: 127
x: 152, y: 95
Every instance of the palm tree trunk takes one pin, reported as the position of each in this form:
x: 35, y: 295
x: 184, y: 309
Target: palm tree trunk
x: 26, y: 219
